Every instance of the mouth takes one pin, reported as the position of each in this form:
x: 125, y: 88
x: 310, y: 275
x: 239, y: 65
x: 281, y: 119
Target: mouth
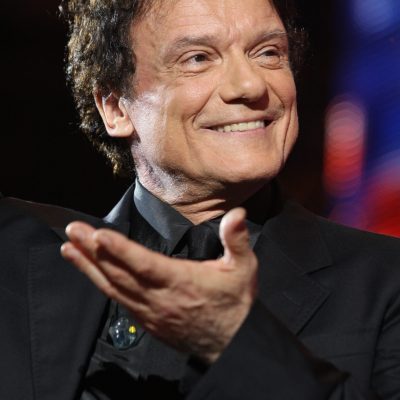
x: 241, y: 126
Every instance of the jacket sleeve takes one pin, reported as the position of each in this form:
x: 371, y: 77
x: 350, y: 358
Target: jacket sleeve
x: 265, y: 361
x: 386, y: 371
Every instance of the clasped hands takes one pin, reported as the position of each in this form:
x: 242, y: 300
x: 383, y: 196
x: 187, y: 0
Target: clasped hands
x: 193, y: 306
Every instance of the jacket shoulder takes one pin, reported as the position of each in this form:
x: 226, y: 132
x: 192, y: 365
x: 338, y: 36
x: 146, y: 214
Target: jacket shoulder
x: 345, y: 246
x: 366, y: 253
x: 352, y: 239
x: 12, y: 209
x: 341, y: 238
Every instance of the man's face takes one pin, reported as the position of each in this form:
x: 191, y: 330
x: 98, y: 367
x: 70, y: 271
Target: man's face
x: 214, y: 99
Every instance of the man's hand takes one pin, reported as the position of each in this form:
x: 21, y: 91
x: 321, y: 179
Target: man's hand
x: 193, y: 306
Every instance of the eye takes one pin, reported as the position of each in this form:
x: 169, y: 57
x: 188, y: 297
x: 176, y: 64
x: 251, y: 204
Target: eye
x: 197, y: 58
x: 195, y: 62
x: 271, y: 57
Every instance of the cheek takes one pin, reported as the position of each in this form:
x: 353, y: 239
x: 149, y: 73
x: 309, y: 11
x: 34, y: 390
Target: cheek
x: 292, y: 131
x: 286, y: 90
x: 189, y: 98
x: 148, y: 117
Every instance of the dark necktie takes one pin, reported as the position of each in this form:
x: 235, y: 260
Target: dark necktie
x: 200, y: 242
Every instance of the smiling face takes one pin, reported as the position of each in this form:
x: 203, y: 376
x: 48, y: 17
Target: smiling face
x: 214, y: 104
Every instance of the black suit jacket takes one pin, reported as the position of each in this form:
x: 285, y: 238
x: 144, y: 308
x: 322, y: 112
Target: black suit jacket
x: 326, y: 324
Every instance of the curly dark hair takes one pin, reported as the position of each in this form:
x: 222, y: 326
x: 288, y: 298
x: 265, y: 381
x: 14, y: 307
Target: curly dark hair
x: 100, y: 57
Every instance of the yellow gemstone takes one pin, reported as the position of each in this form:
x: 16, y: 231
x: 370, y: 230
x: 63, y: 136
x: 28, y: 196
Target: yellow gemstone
x: 132, y: 329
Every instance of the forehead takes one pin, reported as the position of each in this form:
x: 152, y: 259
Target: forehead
x: 169, y: 19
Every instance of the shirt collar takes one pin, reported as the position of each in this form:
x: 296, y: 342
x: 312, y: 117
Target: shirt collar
x: 168, y: 222
x: 172, y: 225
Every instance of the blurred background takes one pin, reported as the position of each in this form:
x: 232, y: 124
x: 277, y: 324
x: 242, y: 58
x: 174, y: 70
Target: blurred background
x: 346, y: 164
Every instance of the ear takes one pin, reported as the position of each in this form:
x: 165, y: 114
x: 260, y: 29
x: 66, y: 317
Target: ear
x: 114, y: 115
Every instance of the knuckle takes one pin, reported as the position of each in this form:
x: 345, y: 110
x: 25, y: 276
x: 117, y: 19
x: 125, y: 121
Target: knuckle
x: 144, y: 268
x: 122, y: 249
x: 150, y: 268
x: 117, y: 275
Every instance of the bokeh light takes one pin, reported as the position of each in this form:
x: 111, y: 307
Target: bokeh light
x: 362, y: 142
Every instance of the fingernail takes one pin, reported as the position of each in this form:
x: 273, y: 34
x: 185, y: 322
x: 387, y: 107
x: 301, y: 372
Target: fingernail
x: 69, y: 251
x: 76, y: 233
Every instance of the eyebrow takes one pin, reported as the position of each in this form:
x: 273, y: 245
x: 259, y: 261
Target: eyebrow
x: 265, y: 36
x: 187, y: 41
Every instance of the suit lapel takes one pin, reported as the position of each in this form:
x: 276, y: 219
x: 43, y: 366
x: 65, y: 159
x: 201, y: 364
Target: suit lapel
x: 126, y: 215
x: 289, y: 249
x: 66, y: 313
x: 120, y: 215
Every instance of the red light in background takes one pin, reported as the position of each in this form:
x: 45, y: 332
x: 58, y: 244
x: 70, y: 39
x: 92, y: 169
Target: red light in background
x: 344, y: 147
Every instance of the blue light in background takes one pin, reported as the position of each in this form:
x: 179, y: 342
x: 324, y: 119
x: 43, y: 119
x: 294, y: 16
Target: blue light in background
x: 368, y: 76
x: 373, y: 16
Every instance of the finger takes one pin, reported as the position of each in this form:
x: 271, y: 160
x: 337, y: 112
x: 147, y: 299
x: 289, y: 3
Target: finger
x: 74, y: 255
x: 144, y: 264
x: 234, y: 234
x: 131, y: 297
x: 127, y: 254
x: 117, y: 271
x: 79, y: 231
x: 81, y: 235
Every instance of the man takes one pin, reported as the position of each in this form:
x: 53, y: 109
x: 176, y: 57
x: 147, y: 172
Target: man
x: 202, y: 95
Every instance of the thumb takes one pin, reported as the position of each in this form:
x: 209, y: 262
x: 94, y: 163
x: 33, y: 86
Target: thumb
x: 234, y: 234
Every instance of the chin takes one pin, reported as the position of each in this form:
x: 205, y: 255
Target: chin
x: 256, y: 178
x: 256, y: 172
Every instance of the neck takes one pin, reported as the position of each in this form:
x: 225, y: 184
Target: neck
x: 199, y: 205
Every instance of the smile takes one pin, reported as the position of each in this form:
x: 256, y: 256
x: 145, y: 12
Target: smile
x: 241, y: 126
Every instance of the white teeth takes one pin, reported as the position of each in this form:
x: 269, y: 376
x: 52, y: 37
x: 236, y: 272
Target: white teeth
x: 241, y: 127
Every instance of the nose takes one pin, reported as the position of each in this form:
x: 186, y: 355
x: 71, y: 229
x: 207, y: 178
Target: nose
x: 242, y: 81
